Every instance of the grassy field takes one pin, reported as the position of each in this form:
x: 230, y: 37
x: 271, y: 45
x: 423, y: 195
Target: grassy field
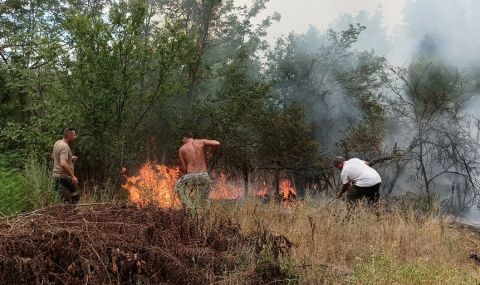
x: 333, y: 244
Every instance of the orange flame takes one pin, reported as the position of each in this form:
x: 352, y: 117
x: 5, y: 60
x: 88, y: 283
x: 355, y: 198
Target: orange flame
x: 287, y: 190
x: 223, y: 190
x: 155, y: 185
x: 263, y: 191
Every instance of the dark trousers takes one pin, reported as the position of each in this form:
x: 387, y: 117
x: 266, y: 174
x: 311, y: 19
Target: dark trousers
x: 372, y: 193
x: 67, y: 190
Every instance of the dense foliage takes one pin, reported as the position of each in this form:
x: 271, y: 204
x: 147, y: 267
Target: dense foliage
x: 131, y: 76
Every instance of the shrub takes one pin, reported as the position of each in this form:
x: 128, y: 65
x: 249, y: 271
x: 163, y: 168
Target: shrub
x: 12, y: 194
x: 38, y: 185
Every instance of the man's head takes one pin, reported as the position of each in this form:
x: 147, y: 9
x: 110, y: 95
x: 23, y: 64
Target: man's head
x: 338, y: 162
x: 70, y: 135
x: 186, y: 137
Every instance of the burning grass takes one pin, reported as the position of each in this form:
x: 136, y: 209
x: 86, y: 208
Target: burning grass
x: 155, y: 184
x: 310, y: 242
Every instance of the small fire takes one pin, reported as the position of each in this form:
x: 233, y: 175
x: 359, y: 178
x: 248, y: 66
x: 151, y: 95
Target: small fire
x: 155, y: 185
x: 223, y: 190
x: 287, y: 191
x: 264, y: 190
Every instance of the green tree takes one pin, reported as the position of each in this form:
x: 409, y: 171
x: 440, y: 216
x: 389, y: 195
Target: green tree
x: 121, y: 67
x: 30, y: 46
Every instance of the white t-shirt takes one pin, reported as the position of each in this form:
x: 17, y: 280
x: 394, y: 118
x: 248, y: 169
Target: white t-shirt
x: 360, y: 173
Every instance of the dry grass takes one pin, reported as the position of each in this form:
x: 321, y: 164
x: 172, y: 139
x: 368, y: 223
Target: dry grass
x: 118, y: 243
x: 332, y: 244
x: 335, y: 244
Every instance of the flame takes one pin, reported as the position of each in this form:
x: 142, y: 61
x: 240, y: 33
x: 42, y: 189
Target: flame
x: 287, y: 190
x: 223, y: 190
x: 155, y: 185
x: 264, y: 190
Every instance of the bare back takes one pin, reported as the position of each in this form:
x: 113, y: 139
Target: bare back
x: 192, y: 155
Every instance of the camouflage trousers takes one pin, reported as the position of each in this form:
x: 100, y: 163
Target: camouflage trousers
x: 194, y: 190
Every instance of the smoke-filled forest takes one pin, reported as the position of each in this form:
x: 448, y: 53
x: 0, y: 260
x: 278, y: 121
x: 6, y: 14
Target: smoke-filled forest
x: 133, y: 77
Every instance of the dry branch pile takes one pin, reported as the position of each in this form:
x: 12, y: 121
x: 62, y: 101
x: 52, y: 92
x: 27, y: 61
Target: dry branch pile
x: 121, y: 244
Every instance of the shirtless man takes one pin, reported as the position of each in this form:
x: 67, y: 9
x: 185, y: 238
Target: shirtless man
x: 195, y: 185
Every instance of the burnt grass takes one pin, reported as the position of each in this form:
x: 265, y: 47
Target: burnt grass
x: 123, y: 244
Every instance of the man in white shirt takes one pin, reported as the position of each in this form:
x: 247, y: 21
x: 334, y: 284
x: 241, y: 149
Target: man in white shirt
x: 366, y: 180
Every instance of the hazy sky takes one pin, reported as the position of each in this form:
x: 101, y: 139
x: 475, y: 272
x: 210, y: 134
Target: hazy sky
x: 297, y: 15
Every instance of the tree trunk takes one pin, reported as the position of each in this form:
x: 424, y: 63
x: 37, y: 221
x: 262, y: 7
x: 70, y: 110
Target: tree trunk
x: 22, y: 96
x: 424, y: 172
x: 278, y: 196
x: 246, y: 172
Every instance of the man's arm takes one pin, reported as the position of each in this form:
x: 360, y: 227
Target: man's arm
x: 63, y: 163
x: 183, y: 164
x: 344, y: 189
x: 346, y: 182
x: 211, y: 143
x: 68, y: 170
x: 66, y: 167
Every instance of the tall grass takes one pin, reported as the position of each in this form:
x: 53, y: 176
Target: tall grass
x: 337, y: 244
x: 100, y: 193
x: 38, y: 185
x: 27, y: 189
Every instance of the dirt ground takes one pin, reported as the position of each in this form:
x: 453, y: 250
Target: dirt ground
x: 122, y: 244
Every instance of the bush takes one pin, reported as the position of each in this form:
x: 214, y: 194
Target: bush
x: 12, y: 194
x: 27, y: 189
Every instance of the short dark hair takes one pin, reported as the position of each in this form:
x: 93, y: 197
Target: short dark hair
x: 68, y: 130
x: 187, y: 135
